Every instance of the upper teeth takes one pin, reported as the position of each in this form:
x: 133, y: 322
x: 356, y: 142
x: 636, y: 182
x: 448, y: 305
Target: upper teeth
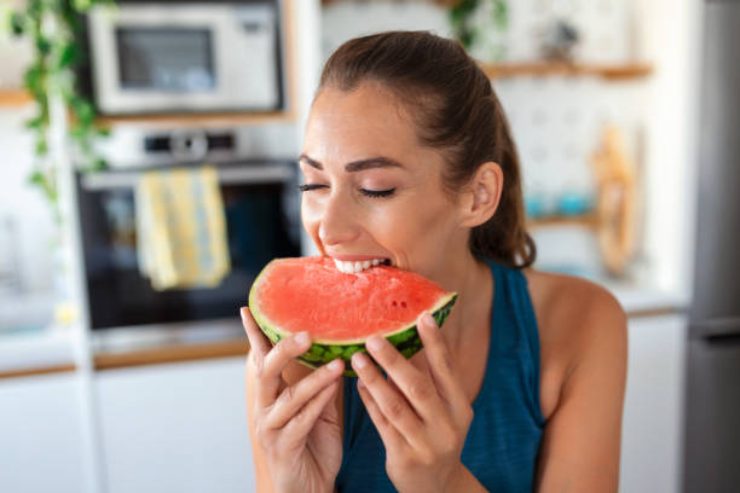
x: 355, y: 267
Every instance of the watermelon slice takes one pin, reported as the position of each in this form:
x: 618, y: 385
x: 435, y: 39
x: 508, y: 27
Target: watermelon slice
x: 340, y: 311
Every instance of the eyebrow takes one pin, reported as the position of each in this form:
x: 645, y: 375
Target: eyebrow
x: 359, y: 165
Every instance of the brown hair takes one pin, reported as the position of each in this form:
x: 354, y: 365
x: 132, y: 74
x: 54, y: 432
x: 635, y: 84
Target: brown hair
x: 456, y: 111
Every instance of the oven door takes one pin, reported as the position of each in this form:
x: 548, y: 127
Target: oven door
x: 262, y: 210
x: 180, y: 57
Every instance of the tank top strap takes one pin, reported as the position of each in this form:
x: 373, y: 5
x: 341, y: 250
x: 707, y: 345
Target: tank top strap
x: 514, y: 331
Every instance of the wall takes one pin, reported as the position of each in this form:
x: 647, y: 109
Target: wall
x: 556, y: 122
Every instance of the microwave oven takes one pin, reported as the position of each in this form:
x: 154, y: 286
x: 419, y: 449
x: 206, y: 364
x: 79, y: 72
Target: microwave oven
x: 186, y: 57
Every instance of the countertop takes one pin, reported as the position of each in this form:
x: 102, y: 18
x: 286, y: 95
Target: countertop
x: 54, y: 350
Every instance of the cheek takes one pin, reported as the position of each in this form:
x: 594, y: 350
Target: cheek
x: 406, y: 225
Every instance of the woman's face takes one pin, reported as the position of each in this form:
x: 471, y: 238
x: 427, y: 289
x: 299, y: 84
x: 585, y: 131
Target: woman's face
x: 375, y: 192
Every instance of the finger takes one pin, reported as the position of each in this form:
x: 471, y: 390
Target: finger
x: 293, y: 398
x: 391, y: 437
x: 270, y: 375
x: 440, y: 362
x: 258, y: 342
x: 391, y: 403
x: 415, y: 386
x: 301, y: 424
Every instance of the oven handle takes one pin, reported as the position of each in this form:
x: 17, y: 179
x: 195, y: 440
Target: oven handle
x: 228, y: 176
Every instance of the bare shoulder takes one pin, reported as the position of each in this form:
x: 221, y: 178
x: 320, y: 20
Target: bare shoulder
x: 560, y: 300
x: 577, y: 320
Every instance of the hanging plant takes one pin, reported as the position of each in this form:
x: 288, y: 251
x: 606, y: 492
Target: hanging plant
x: 470, y: 27
x: 54, y: 28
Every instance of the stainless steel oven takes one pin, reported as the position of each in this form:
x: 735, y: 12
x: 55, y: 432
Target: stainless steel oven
x: 263, y: 222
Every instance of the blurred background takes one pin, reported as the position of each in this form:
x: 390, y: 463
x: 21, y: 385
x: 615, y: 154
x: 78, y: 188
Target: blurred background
x: 121, y: 353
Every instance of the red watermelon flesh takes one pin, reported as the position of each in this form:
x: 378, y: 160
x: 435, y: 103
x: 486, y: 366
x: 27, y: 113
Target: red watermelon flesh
x: 339, y: 310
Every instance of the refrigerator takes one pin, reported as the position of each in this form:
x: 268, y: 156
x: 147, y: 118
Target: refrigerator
x: 711, y: 455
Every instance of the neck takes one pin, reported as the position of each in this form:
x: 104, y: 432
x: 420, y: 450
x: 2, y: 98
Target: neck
x: 474, y: 287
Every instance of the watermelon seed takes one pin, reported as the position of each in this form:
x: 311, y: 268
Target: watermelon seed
x: 394, y: 303
x: 403, y: 304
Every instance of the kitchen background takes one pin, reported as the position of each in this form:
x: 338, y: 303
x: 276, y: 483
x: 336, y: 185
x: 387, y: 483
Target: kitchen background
x: 107, y: 384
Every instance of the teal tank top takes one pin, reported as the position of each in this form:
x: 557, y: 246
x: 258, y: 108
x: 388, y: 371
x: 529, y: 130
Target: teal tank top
x: 504, y: 437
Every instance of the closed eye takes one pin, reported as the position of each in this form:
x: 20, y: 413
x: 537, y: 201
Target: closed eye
x: 368, y: 193
x: 377, y: 193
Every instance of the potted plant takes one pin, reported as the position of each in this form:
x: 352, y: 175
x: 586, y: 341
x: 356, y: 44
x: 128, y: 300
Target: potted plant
x: 481, y: 27
x: 53, y: 29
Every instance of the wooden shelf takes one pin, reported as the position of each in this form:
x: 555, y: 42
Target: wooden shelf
x: 14, y: 98
x: 612, y: 72
x: 586, y: 221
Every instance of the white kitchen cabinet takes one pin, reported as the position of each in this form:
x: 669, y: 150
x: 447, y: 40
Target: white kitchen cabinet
x: 175, y: 428
x: 653, y: 409
x: 41, y: 434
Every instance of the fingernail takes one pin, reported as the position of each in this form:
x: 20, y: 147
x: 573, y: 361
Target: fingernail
x: 374, y: 343
x: 359, y: 360
x: 244, y: 318
x: 335, y: 364
x: 428, y: 320
x: 302, y: 338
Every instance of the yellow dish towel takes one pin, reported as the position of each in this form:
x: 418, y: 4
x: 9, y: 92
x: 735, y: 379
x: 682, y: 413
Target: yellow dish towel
x: 181, y: 228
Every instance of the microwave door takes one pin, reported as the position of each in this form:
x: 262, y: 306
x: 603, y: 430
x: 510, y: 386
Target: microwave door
x: 168, y: 60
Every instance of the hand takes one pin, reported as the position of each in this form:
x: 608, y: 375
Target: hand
x: 422, y: 417
x: 297, y: 426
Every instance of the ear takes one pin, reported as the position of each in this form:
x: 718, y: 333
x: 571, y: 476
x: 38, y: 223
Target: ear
x: 481, y: 196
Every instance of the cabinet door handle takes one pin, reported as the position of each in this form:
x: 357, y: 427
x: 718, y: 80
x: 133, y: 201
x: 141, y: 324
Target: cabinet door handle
x: 724, y: 329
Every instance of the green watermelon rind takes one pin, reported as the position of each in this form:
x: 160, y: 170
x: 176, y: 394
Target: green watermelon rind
x: 406, y: 339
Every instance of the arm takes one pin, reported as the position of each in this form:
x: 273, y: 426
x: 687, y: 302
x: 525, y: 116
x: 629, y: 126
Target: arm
x: 581, y: 444
x: 262, y: 479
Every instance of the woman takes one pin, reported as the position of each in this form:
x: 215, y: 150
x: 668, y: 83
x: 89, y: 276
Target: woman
x: 408, y: 157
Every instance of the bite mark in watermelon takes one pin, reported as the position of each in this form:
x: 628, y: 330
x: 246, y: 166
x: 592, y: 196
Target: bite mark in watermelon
x: 340, y: 311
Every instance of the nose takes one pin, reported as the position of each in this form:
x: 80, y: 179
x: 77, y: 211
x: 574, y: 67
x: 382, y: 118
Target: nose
x: 336, y: 224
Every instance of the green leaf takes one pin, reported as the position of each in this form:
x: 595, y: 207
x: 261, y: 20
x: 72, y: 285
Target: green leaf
x: 84, y: 112
x: 36, y: 178
x: 82, y: 5
x: 43, y: 45
x: 17, y: 24
x: 35, y: 123
x: 32, y: 78
x: 500, y: 14
x: 42, y: 146
x: 460, y: 16
x: 68, y: 56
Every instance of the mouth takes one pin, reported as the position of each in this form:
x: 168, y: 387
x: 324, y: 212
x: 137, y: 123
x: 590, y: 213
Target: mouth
x: 349, y: 267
